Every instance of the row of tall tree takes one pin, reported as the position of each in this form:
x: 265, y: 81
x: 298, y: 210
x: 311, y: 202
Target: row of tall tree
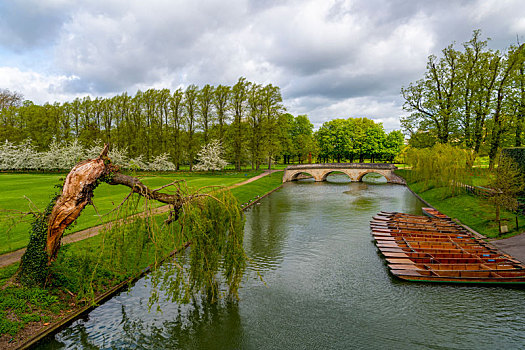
x: 473, y: 97
x: 356, y: 139
x: 247, y: 118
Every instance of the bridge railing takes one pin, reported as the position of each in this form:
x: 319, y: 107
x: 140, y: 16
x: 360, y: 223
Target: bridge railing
x: 383, y: 166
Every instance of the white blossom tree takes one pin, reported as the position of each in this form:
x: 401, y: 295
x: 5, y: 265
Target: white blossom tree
x: 62, y: 156
x: 161, y: 163
x: 210, y: 157
x: 19, y: 157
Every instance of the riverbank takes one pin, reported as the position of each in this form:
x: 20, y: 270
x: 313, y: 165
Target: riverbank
x: 477, y: 214
x: 471, y: 210
x: 19, y: 323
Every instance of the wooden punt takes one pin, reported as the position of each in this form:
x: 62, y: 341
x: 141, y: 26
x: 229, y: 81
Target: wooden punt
x: 489, y: 277
x: 499, y: 267
x: 434, y: 213
x: 436, y: 249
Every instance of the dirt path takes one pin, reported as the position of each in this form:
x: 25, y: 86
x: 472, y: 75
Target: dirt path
x: 12, y: 257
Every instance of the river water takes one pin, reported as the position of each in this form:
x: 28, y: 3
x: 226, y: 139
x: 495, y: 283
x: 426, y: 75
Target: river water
x: 323, y: 286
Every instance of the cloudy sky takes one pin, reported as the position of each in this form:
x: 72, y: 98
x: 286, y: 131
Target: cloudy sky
x: 332, y: 59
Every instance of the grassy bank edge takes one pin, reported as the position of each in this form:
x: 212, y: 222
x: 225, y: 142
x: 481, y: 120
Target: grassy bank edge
x: 472, y: 211
x: 247, y: 194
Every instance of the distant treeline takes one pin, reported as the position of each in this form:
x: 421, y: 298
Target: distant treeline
x: 248, y: 119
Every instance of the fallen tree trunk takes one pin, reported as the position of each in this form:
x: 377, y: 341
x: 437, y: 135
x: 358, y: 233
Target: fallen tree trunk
x: 76, y: 193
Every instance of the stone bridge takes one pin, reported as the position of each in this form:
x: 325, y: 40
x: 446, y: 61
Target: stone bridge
x: 355, y: 171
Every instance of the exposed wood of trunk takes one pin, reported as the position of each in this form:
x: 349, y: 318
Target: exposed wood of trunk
x: 78, y: 191
x: 76, y: 194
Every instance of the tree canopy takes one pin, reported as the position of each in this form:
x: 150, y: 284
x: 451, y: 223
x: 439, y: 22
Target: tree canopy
x: 473, y: 98
x: 245, y: 118
x: 357, y: 139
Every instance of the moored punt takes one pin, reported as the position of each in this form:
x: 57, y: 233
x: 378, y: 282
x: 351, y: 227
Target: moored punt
x: 434, y: 213
x: 424, y: 238
x: 436, y: 249
x: 461, y: 276
x: 457, y: 267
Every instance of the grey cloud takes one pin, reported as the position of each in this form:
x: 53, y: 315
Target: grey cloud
x: 27, y: 24
x: 331, y: 58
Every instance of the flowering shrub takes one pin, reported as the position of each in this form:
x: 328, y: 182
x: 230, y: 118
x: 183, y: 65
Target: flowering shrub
x: 210, y: 157
x: 64, y: 156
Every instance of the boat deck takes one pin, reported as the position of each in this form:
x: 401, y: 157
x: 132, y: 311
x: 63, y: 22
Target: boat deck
x: 433, y: 248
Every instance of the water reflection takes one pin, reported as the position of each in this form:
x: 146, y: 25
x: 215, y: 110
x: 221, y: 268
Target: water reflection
x: 325, y: 287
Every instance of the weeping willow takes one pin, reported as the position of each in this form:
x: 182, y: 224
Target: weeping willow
x: 204, y: 248
x: 442, y: 165
x: 209, y: 221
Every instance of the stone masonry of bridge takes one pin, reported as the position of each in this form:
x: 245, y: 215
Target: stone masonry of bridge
x: 355, y: 171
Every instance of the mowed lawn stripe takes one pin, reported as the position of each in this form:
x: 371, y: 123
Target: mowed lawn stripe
x: 39, y: 188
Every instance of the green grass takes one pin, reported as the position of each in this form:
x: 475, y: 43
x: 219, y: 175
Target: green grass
x: 249, y: 192
x: 19, y: 306
x: 86, y: 268
x: 473, y: 211
x: 39, y: 188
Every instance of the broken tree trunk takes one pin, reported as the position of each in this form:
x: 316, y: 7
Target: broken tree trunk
x: 76, y: 193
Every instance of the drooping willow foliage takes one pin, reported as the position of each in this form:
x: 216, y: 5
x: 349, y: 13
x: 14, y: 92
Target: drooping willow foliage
x: 214, y: 227
x: 211, y: 224
x: 442, y: 165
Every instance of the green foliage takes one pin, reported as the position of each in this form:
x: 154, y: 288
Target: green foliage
x: 215, y: 227
x: 33, y: 269
x: 517, y: 154
x: 24, y: 305
x: 473, y: 97
x: 357, y: 138
x: 442, y: 165
x: 507, y: 183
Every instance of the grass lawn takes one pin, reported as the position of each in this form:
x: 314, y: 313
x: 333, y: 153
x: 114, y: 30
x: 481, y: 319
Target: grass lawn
x: 473, y: 211
x: 248, y: 192
x: 39, y: 188
x: 91, y: 266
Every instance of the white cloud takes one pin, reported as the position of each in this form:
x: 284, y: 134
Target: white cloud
x: 331, y: 58
x: 37, y: 87
x: 383, y: 111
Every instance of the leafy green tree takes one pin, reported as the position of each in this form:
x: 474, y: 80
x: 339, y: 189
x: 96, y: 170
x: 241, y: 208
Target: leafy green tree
x: 393, y: 145
x: 205, y: 103
x: 285, y: 123
x: 221, y: 96
x: 238, y: 101
x: 176, y: 121
x: 271, y: 101
x: 302, y: 137
x: 506, y: 183
x: 513, y: 60
x: 190, y: 104
x: 435, y: 97
x: 256, y: 129
x: 334, y: 139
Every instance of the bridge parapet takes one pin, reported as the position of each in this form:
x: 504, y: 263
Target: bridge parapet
x: 343, y: 165
x: 355, y: 171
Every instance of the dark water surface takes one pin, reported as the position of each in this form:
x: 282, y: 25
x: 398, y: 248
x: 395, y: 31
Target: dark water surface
x: 325, y: 287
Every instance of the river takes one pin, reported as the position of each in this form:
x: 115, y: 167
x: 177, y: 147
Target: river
x: 315, y: 281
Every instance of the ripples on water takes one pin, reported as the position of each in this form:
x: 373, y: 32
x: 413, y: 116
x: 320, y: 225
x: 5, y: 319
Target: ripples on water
x: 325, y: 287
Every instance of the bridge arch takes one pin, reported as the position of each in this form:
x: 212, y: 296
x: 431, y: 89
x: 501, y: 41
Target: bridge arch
x: 299, y: 174
x: 364, y: 173
x: 355, y: 171
x: 337, y: 171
